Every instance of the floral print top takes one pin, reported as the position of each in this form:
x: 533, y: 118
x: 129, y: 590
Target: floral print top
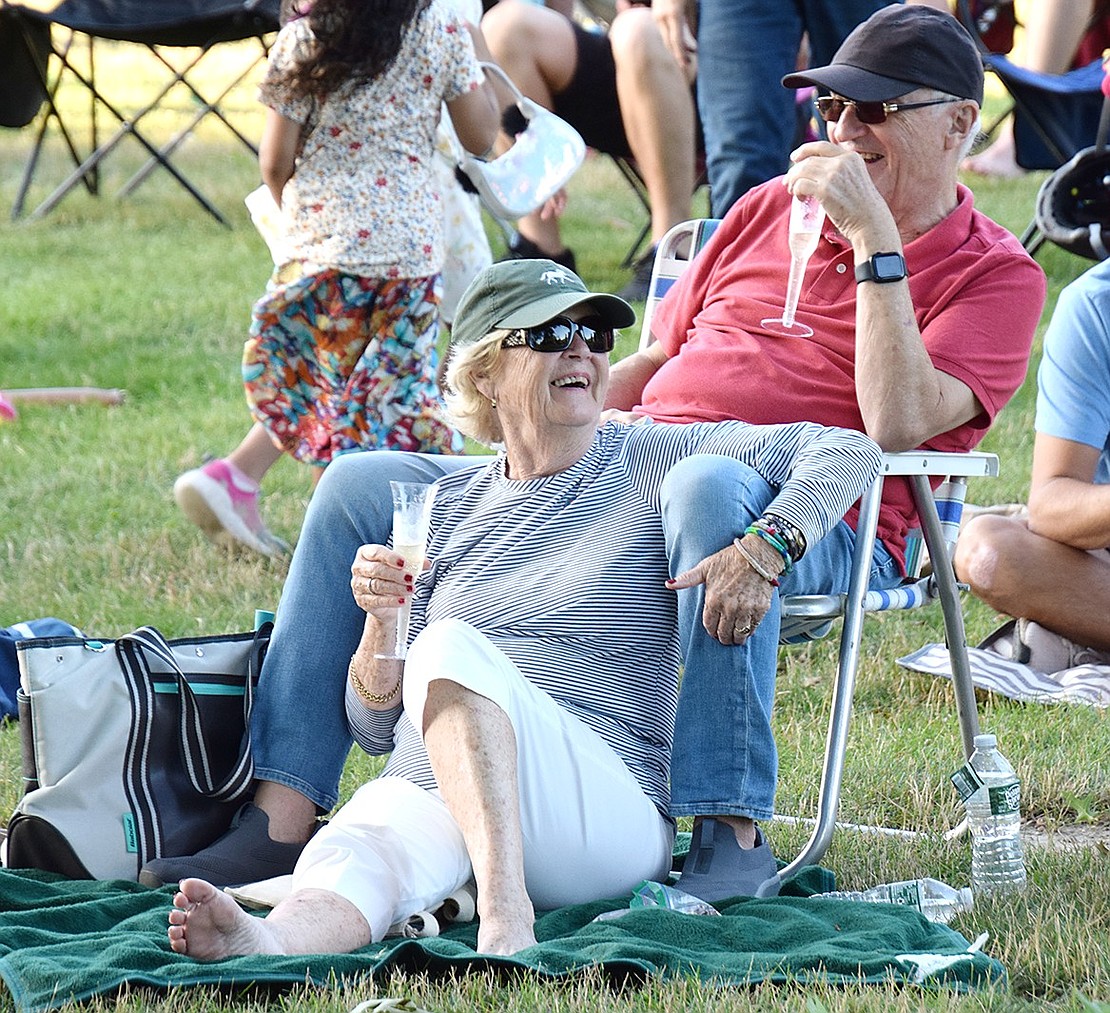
x: 363, y: 198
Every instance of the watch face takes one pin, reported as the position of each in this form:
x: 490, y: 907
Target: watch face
x: 888, y: 267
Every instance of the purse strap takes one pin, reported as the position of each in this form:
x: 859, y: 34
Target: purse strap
x: 526, y: 106
x: 135, y: 649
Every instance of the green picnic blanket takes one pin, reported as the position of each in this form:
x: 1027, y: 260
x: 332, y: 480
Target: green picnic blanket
x: 63, y: 939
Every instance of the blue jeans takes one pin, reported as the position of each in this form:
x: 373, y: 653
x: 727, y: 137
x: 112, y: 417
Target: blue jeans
x: 299, y: 726
x: 745, y: 47
x: 724, y: 760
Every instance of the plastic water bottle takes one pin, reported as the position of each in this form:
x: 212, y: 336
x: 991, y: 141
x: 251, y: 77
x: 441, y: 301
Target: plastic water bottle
x: 992, y: 794
x: 937, y: 901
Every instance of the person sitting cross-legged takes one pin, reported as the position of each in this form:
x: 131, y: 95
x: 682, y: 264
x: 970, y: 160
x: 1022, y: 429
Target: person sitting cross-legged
x: 1051, y: 568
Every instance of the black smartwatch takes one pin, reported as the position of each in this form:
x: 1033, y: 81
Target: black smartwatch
x: 883, y: 268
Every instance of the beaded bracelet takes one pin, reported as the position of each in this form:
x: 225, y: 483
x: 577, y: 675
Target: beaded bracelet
x: 755, y: 563
x: 784, y: 538
x: 793, y: 537
x: 365, y: 694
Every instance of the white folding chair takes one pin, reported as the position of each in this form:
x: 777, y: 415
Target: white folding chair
x: 809, y: 616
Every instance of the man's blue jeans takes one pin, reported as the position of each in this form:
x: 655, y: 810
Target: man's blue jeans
x: 724, y: 757
x: 745, y: 47
x: 299, y: 727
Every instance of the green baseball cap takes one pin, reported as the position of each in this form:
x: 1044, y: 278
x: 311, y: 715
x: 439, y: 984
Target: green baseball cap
x: 524, y: 293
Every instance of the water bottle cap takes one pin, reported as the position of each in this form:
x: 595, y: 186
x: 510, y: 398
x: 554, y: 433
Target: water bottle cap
x: 985, y: 741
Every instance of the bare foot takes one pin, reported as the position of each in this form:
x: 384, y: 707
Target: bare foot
x: 208, y: 924
x: 999, y: 160
x: 505, y: 937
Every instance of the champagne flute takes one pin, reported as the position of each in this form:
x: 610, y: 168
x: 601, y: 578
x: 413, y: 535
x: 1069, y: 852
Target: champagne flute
x: 412, y: 505
x: 806, y: 218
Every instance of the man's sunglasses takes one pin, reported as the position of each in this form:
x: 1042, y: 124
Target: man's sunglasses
x: 558, y: 334
x: 830, y: 108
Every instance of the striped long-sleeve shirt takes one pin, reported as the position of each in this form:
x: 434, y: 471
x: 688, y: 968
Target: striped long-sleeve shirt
x: 565, y: 573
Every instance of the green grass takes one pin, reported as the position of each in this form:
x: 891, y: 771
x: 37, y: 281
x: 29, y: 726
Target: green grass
x: 151, y: 295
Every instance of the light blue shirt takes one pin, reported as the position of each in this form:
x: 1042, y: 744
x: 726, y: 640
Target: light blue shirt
x: 1073, y: 382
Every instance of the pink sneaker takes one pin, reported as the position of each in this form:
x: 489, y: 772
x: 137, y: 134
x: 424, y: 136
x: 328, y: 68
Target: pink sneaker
x: 221, y: 505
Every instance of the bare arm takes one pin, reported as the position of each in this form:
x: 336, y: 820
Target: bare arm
x: 1064, y: 502
x: 277, y: 151
x: 628, y: 377
x: 476, y: 115
x: 379, y: 583
x: 904, y: 399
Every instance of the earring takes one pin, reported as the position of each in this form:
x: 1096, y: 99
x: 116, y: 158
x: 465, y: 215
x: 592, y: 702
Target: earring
x: 493, y: 402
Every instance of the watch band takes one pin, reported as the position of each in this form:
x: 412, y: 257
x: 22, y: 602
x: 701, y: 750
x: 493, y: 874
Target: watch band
x: 882, y: 268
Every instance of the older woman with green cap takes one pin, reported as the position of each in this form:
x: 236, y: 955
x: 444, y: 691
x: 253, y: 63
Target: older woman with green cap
x: 530, y: 725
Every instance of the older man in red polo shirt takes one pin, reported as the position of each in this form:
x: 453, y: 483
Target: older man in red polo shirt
x: 923, y: 312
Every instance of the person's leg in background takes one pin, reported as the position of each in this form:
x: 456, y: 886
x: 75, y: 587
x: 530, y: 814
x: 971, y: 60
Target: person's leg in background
x: 748, y: 118
x: 299, y: 729
x: 657, y: 111
x: 828, y: 23
x: 221, y: 496
x: 536, y: 47
x: 1052, y: 32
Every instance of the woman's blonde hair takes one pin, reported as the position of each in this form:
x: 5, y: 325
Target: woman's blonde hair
x: 468, y: 409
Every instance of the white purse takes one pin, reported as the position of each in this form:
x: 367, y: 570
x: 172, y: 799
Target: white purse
x: 543, y: 157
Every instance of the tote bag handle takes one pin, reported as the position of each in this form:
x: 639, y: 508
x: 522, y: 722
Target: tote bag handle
x: 135, y: 650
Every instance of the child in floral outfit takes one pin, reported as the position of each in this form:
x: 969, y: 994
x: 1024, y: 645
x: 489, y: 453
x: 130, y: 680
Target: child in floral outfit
x: 342, y: 349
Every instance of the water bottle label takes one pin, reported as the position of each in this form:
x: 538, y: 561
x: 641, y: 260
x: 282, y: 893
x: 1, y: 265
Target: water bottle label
x: 1005, y: 799
x: 967, y: 781
x: 907, y: 894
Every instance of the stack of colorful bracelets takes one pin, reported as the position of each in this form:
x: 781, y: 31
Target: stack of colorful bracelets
x: 782, y: 536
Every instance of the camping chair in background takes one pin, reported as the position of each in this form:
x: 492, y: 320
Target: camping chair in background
x: 1055, y: 115
x: 810, y: 616
x: 193, y: 26
x: 632, y: 175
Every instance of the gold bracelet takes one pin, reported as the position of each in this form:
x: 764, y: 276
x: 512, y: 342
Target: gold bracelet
x: 364, y: 693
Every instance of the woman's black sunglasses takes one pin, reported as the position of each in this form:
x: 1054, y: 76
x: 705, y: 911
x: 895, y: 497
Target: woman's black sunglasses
x: 831, y: 108
x: 558, y: 334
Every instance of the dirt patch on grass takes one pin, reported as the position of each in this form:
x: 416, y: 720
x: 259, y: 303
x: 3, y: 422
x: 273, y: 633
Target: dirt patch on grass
x: 1072, y: 837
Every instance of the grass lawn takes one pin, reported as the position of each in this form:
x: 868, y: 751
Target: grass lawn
x: 151, y: 295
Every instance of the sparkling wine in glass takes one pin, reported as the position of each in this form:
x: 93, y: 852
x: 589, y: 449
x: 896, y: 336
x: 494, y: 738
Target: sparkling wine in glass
x: 806, y: 218
x: 412, y: 505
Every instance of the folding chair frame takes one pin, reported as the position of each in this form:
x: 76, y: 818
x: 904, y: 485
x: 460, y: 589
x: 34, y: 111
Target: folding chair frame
x: 627, y: 168
x: 939, y: 535
x: 87, y: 169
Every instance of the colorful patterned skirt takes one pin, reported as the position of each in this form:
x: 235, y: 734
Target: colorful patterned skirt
x: 336, y: 362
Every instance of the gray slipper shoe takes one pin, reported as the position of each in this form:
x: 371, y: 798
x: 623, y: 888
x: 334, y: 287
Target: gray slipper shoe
x: 717, y: 868
x: 244, y: 854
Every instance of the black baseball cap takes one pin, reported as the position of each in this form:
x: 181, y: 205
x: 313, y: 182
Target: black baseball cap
x: 897, y: 49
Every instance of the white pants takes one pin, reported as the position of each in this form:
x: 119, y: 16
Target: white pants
x: 589, y: 830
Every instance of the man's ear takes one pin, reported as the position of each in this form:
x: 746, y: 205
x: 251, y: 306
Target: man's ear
x: 964, y: 119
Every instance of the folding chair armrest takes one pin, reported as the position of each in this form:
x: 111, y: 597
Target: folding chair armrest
x: 972, y: 464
